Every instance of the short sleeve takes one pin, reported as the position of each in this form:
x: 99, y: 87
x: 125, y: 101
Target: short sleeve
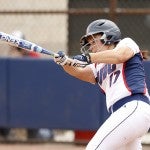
x: 129, y: 43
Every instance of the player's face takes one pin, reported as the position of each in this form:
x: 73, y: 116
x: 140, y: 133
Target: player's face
x: 95, y: 44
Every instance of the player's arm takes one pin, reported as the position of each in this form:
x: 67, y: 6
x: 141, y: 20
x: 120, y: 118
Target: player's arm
x: 84, y: 74
x: 123, y: 51
x: 77, y: 67
x: 114, y: 56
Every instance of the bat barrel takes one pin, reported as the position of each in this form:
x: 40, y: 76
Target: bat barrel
x: 24, y: 44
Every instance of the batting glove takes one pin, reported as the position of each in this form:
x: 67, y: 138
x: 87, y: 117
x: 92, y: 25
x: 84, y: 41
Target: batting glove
x: 61, y: 58
x: 80, y: 61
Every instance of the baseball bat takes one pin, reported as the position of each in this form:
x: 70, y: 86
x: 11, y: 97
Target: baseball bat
x: 24, y: 44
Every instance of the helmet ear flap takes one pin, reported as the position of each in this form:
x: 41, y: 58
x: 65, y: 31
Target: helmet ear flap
x: 106, y: 39
x: 103, y: 39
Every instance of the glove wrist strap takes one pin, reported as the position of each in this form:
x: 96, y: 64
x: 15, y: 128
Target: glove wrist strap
x: 88, y: 57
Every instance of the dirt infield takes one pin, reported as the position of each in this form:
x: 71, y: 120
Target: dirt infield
x: 44, y: 146
x: 47, y: 146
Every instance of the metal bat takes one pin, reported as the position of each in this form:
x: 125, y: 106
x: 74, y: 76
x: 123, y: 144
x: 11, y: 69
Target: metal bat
x: 23, y: 44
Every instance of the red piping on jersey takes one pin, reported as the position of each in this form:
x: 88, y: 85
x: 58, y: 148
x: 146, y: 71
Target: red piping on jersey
x: 124, y: 78
x: 101, y: 89
x: 145, y: 89
x: 141, y: 54
x: 144, y: 92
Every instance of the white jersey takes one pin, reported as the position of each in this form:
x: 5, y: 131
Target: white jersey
x: 120, y: 80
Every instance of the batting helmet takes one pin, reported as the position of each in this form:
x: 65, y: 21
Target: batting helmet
x: 109, y: 30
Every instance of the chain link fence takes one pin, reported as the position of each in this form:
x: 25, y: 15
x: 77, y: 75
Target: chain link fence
x: 58, y: 25
x: 132, y: 16
x: 37, y: 20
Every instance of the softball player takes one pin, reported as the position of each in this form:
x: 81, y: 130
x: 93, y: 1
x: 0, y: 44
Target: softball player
x: 116, y: 65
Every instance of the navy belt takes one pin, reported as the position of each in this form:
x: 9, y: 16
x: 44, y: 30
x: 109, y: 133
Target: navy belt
x: 121, y: 102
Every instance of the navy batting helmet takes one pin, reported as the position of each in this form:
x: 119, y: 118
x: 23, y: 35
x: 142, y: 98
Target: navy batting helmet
x: 109, y: 30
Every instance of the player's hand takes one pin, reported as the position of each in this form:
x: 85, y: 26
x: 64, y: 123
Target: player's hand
x: 80, y: 61
x: 61, y: 58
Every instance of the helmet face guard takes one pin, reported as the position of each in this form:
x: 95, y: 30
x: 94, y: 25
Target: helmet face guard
x: 86, y: 48
x: 109, y: 30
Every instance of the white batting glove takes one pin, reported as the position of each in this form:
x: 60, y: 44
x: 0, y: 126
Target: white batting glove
x: 61, y: 58
x: 80, y: 61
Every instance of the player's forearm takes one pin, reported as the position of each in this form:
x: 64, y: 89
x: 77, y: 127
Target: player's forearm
x: 74, y: 71
x: 80, y: 73
x: 105, y: 57
x: 114, y: 56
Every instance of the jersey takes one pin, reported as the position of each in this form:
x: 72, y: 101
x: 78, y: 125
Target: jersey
x: 120, y: 80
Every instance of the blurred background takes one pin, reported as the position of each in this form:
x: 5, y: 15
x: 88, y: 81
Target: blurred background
x: 58, y: 25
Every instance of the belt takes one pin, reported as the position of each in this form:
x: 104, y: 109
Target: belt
x: 121, y: 102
